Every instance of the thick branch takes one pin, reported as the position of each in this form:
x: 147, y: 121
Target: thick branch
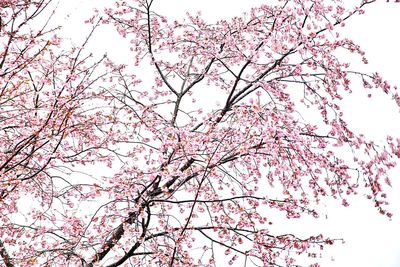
x: 4, y: 255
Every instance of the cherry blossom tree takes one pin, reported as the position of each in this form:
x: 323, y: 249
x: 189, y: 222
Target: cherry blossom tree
x: 211, y: 128
x: 45, y: 123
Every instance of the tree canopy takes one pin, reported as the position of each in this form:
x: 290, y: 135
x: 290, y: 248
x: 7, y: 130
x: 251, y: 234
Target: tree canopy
x: 178, y: 158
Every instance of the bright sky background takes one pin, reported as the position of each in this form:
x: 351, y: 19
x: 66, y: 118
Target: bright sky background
x: 371, y: 240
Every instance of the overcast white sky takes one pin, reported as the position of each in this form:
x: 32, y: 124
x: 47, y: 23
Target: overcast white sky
x: 371, y: 240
